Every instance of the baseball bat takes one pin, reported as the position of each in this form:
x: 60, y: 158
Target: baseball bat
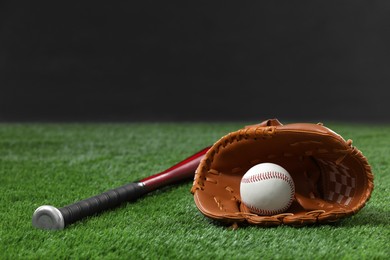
x: 52, y: 218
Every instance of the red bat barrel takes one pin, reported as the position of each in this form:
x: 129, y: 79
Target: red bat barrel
x: 49, y: 217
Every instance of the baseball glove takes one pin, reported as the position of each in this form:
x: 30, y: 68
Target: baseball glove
x: 332, y: 178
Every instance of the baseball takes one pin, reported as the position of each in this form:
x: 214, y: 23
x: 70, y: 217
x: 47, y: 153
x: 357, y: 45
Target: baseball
x: 267, y: 189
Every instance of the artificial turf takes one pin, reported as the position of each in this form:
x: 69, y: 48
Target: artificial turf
x: 58, y: 164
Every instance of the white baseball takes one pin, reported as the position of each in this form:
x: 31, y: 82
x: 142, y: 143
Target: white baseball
x: 267, y: 189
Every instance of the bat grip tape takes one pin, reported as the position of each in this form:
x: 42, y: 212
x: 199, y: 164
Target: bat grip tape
x: 48, y: 217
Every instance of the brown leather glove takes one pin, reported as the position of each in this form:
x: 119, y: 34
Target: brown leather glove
x: 332, y: 178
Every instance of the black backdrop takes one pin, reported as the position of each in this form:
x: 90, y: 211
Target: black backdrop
x: 203, y: 61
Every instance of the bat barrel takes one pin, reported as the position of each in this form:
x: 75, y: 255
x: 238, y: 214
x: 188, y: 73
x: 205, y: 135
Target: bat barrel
x: 49, y: 217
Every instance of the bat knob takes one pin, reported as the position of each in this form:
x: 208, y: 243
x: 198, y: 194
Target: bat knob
x: 48, y: 217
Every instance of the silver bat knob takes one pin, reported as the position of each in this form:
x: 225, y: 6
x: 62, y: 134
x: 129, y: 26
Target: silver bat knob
x: 48, y: 217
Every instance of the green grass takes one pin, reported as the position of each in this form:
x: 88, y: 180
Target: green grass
x: 58, y: 164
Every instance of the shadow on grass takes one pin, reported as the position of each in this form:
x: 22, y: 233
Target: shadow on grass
x: 370, y: 216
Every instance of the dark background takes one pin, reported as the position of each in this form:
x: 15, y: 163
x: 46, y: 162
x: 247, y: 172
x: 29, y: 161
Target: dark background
x: 203, y: 61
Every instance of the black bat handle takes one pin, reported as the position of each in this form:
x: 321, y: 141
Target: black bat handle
x: 49, y: 217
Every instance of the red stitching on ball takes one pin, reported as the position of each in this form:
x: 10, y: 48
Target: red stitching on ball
x: 266, y: 176
x: 264, y: 211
